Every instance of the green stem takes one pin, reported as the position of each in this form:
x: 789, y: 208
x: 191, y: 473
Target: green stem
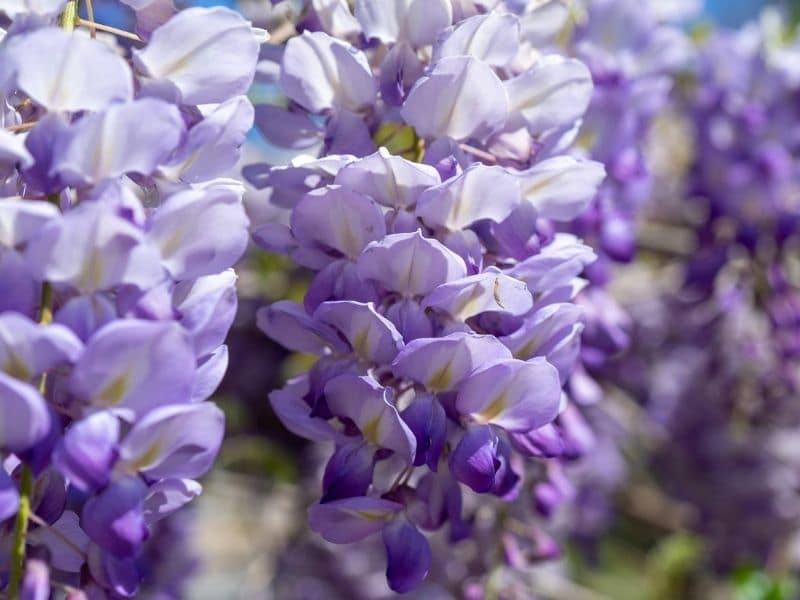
x: 69, y: 15
x: 20, y: 531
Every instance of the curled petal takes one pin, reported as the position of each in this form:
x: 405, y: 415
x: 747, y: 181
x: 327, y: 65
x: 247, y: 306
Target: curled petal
x: 351, y: 519
x: 513, y: 394
x: 134, y: 137
x: 89, y: 75
x: 167, y: 496
x: 390, y: 180
x: 414, y: 21
x: 560, y: 188
x: 364, y: 401
x: 322, y: 73
x: 174, y: 441
x: 554, y: 92
x: 410, y: 263
x: 31, y: 419
x: 28, y: 349
x: 114, y: 520
x: 87, y: 452
x: 370, y: 335
x: 335, y: 218
x: 460, y: 98
x: 214, y: 61
x: 492, y: 38
x: 217, y: 211
x: 132, y: 366
x: 461, y: 201
x: 475, y: 461
x: 441, y: 364
x: 490, y: 291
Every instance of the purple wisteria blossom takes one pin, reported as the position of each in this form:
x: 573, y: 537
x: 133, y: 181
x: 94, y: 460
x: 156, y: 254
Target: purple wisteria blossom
x: 117, y: 238
x: 442, y: 308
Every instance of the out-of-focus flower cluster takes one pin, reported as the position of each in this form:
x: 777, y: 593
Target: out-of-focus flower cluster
x: 724, y: 383
x: 117, y: 238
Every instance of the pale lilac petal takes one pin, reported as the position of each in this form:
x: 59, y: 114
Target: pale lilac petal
x: 322, y: 73
x: 174, y: 441
x: 389, y: 180
x: 13, y: 153
x: 336, y: 18
x: 557, y: 264
x: 91, y: 248
x: 24, y: 417
x: 218, y: 212
x: 371, y: 336
x: 206, y: 307
x: 295, y: 413
x: 366, y: 403
x: 554, y: 92
x: 132, y: 366
x: 560, y: 188
x: 214, y: 61
x: 410, y: 263
x: 212, y: 146
x: 28, y: 349
x: 89, y: 75
x: 132, y: 137
x: 493, y: 38
x: 414, y: 21
x: 335, y: 218
x: 488, y: 291
x: 460, y: 98
x: 167, y: 496
x: 21, y: 219
x: 87, y: 452
x: 19, y: 292
x: 441, y: 364
x: 210, y: 372
x: 545, y: 329
x: 288, y: 324
x: 351, y: 519
x: 461, y: 201
x: 513, y: 394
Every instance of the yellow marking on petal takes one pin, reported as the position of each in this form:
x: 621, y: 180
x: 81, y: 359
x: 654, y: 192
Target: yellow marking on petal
x: 440, y: 380
x: 359, y: 343
x: 494, y: 408
x: 147, y: 457
x: 113, y: 393
x: 16, y: 367
x: 371, y: 515
x: 370, y: 430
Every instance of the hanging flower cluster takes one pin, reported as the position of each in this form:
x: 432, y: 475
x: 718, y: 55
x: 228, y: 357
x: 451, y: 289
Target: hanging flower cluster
x: 117, y: 237
x: 441, y: 309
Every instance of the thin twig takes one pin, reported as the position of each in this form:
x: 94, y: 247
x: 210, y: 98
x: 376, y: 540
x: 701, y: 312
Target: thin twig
x: 478, y: 153
x: 90, y: 15
x: 21, y: 126
x: 109, y: 29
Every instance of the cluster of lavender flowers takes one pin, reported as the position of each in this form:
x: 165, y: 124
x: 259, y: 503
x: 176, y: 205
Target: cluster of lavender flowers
x: 117, y: 234
x: 442, y: 304
x: 724, y: 385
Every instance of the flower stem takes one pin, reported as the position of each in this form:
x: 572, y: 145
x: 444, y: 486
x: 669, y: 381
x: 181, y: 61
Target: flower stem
x: 20, y: 531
